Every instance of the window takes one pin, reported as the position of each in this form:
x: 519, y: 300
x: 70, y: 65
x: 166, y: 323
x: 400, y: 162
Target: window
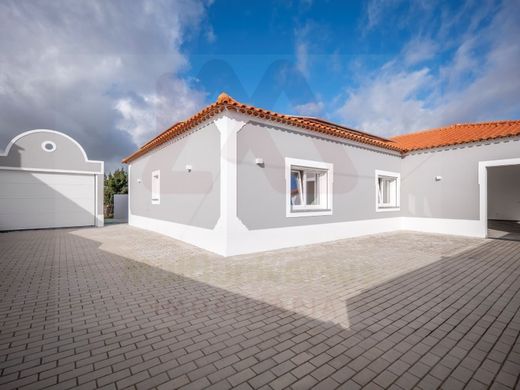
x: 48, y: 146
x: 387, y: 191
x: 156, y: 187
x: 309, y: 188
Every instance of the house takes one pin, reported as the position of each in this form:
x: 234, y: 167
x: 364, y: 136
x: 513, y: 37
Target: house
x: 236, y: 179
x: 47, y: 181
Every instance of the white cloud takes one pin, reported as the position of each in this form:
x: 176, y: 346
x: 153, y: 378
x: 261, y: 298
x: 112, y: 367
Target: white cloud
x: 375, y: 9
x: 302, y: 58
x: 310, y: 109
x: 308, y: 37
x: 419, y: 50
x: 479, y: 81
x: 84, y: 67
x: 146, y: 115
x: 387, y: 104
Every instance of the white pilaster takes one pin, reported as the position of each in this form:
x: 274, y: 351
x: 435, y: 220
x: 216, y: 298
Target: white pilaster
x: 228, y: 224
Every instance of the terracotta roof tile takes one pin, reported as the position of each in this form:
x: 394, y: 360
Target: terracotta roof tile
x: 457, y: 134
x: 445, y: 136
x: 225, y: 102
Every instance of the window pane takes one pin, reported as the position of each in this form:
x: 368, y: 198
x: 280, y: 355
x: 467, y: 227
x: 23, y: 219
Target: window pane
x: 380, y: 190
x: 311, y: 188
x: 296, y: 193
x: 308, y: 188
x: 386, y: 191
x: 156, y: 186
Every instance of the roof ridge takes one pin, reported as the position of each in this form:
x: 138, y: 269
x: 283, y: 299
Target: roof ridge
x: 343, y: 127
x: 400, y: 143
x: 499, y: 121
x: 502, y: 121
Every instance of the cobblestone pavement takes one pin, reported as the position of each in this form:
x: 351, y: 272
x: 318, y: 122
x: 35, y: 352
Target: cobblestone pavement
x: 123, y: 308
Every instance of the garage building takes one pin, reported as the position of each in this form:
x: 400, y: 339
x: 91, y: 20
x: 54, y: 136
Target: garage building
x: 47, y: 181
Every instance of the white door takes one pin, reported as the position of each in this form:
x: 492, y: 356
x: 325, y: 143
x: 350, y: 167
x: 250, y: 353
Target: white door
x: 30, y: 200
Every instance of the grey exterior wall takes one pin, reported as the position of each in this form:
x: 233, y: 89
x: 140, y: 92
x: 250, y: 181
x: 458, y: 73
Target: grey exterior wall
x: 190, y: 198
x: 27, y: 153
x: 504, y: 192
x: 261, y: 190
x: 456, y: 196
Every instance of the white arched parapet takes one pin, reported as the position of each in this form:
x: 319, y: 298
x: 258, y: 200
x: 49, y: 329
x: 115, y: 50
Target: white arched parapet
x: 55, y: 134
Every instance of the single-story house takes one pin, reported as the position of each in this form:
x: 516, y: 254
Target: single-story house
x: 236, y: 179
x: 47, y: 181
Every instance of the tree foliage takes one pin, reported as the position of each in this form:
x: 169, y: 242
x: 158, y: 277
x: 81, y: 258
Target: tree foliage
x: 115, y: 183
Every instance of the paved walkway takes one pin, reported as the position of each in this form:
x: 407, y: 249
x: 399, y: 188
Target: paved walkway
x: 505, y: 230
x: 83, y: 309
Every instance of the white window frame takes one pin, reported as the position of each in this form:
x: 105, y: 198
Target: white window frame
x: 394, y: 175
x: 308, y: 210
x: 156, y: 195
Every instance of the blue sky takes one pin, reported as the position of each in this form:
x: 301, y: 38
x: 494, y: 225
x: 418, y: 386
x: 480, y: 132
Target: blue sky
x: 114, y: 73
x: 324, y: 58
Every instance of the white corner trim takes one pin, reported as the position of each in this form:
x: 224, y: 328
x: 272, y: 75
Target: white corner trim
x: 100, y: 218
x: 329, y: 167
x: 397, y: 175
x: 130, y: 185
x: 19, y: 136
x: 228, y: 125
x: 483, y: 188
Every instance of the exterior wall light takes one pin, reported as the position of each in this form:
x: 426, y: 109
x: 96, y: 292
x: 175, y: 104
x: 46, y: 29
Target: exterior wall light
x: 188, y: 168
x: 438, y: 178
x: 259, y: 161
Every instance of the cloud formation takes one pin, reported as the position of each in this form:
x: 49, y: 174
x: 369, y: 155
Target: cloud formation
x: 477, y: 79
x: 108, y: 73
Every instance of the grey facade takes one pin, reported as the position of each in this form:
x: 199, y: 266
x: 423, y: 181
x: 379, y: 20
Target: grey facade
x: 456, y: 195
x: 187, y: 197
x: 26, y: 152
x: 261, y: 190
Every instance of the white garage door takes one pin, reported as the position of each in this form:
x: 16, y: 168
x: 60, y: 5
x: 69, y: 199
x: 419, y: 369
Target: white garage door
x: 30, y: 200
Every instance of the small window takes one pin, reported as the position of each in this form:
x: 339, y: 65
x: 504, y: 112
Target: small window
x: 48, y: 146
x: 387, y: 191
x: 156, y: 187
x: 309, y: 188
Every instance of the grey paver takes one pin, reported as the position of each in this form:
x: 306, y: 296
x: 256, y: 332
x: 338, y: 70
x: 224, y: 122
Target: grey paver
x: 83, y: 308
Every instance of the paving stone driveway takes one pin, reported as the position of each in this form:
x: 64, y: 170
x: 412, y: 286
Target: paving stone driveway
x: 81, y: 308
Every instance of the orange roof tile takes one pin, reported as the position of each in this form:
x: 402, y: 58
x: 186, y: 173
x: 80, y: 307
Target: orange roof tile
x: 225, y: 102
x: 451, y: 135
x: 457, y: 134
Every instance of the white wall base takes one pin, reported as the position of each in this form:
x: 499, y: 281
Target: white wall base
x: 245, y: 241
x: 210, y: 240
x: 250, y: 241
x: 458, y: 227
